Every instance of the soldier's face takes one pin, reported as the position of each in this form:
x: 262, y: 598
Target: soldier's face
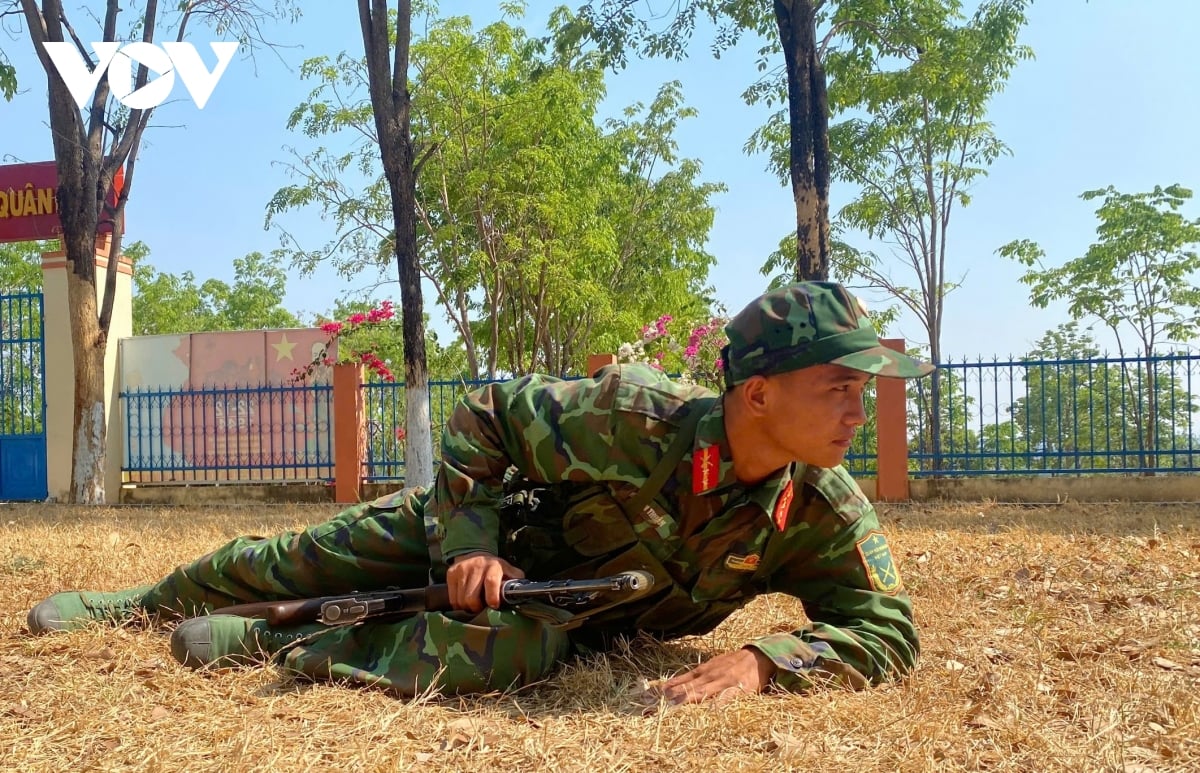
x: 813, y: 413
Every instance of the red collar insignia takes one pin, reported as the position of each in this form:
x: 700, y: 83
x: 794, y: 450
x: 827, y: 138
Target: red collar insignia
x: 782, y: 505
x: 706, y: 466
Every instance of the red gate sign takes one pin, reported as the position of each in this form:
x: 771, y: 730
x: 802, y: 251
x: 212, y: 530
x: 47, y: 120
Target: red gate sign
x: 29, y: 202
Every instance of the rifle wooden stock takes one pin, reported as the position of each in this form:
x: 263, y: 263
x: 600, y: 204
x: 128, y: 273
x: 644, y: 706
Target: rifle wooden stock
x: 434, y: 598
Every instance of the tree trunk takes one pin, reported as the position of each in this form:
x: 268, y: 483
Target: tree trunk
x: 390, y: 99
x: 1150, y: 455
x: 88, y: 446
x: 808, y: 117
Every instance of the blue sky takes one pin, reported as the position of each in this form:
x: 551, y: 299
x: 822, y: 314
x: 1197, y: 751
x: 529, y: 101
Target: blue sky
x: 1111, y: 98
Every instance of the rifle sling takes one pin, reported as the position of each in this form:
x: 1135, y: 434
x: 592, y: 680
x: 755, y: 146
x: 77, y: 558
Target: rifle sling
x: 675, y: 453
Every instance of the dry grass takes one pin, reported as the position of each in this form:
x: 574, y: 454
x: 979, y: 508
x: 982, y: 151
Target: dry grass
x: 1064, y: 638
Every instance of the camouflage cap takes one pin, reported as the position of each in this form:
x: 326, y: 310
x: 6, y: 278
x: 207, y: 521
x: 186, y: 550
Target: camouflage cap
x: 809, y: 323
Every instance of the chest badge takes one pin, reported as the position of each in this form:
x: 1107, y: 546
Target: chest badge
x: 742, y: 563
x: 782, y: 506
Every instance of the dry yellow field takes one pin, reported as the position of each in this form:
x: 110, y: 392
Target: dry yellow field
x: 1062, y: 638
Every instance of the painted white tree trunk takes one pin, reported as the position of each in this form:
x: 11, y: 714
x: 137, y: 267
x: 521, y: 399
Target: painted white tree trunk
x: 418, y: 457
x: 88, y: 345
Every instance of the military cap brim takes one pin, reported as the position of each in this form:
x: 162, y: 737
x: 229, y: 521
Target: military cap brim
x: 884, y: 362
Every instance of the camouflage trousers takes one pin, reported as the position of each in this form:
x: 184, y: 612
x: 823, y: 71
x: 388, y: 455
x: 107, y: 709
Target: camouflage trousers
x: 364, y: 548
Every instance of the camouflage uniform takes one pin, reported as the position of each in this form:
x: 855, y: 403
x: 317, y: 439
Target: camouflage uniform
x: 586, y: 448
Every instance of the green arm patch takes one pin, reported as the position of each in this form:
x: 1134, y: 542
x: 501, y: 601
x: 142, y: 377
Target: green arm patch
x: 882, y: 571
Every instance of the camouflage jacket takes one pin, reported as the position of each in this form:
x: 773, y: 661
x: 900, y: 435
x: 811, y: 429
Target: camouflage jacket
x: 711, y: 542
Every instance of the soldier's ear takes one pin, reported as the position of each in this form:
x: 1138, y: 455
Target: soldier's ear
x: 753, y: 395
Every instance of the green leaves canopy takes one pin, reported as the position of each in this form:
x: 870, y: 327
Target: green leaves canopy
x: 169, y: 303
x: 1138, y: 277
x: 546, y: 235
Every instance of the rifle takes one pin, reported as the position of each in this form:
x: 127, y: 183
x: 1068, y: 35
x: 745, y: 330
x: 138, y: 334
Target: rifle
x: 350, y: 608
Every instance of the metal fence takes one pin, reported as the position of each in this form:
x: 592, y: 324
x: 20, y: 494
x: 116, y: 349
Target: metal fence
x: 385, y: 408
x: 1056, y: 417
x: 232, y: 433
x: 22, y: 398
x: 1021, y: 417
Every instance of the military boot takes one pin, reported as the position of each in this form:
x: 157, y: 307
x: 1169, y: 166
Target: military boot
x: 75, y: 609
x: 222, y: 641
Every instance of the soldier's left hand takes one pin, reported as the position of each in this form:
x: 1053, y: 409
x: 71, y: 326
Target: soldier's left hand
x: 742, y: 672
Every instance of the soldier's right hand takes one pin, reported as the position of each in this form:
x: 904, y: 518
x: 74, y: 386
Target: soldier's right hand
x: 475, y: 579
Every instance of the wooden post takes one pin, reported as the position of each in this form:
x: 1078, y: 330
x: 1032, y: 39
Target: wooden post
x: 349, y: 431
x: 891, y: 482
x: 597, y: 361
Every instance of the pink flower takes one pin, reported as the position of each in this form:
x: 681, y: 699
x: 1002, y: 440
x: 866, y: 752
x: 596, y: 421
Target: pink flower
x: 357, y: 319
x: 333, y: 328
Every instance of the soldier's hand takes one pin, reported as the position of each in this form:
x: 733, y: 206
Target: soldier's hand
x: 475, y: 579
x: 742, y: 672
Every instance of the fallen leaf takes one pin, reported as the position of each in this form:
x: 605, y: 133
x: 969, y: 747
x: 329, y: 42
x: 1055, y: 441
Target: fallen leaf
x: 454, y: 741
x: 1156, y: 728
x: 996, y: 656
x: 18, y: 710
x: 1022, y: 575
x: 150, y: 667
x: 160, y: 712
x: 466, y: 731
x: 1169, y: 665
x: 980, y: 718
x: 1132, y: 650
x: 1141, y: 753
x: 104, y: 653
x: 954, y: 665
x: 423, y: 757
x: 786, y: 744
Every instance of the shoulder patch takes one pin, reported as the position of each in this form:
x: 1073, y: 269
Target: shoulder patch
x: 840, y: 490
x: 881, y: 569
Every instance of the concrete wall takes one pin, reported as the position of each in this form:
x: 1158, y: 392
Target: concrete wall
x: 1098, y: 488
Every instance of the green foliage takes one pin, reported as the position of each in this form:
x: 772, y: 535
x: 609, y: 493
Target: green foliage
x: 614, y: 28
x: 21, y: 266
x: 1137, y: 277
x: 546, y: 236
x: 914, y: 88
x: 8, y: 78
x: 168, y: 303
